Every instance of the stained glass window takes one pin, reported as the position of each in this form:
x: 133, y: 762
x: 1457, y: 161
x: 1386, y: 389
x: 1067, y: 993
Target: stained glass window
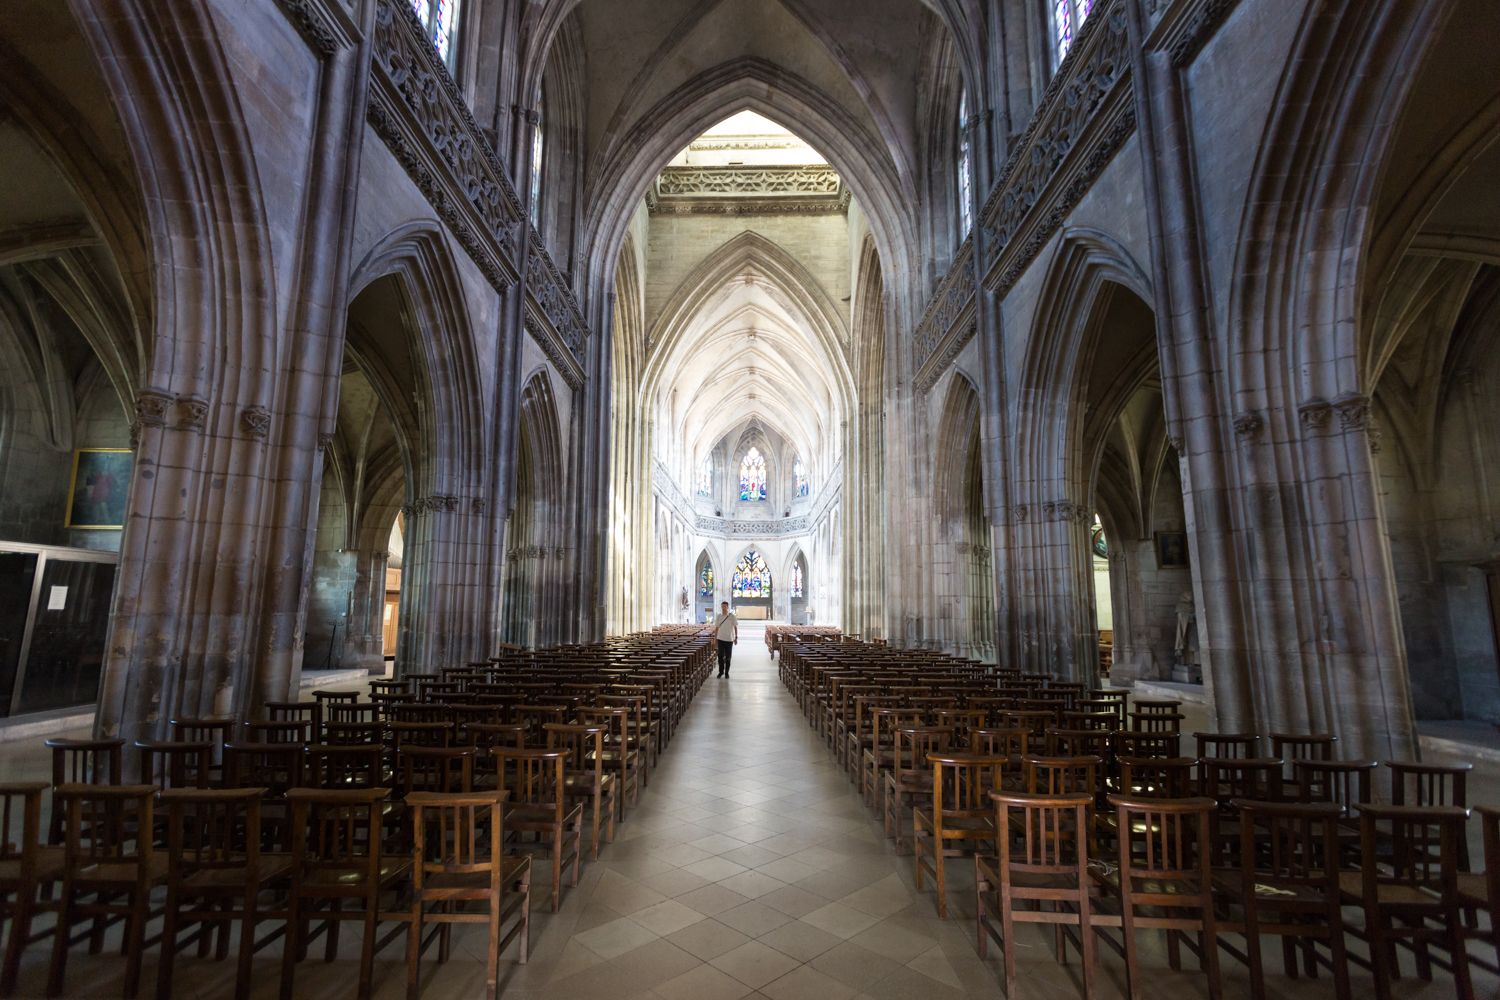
x: 537, y: 161
x: 753, y: 476
x: 1067, y: 17
x: 706, y: 478
x: 965, y: 167
x: 706, y: 580
x: 440, y: 21
x: 1097, y: 541
x: 752, y: 577
x: 797, y: 578
x: 800, y: 483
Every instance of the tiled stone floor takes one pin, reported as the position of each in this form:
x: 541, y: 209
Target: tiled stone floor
x: 749, y: 869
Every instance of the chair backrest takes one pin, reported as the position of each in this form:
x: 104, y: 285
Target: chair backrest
x: 584, y: 744
x: 1289, y: 844
x: 357, y: 712
x: 459, y: 833
x: 1006, y: 741
x: 277, y: 767
x: 434, y: 769
x: 1061, y: 775
x: 296, y: 711
x: 104, y: 824
x: 348, y: 733
x: 1078, y: 742
x: 1134, y: 743
x: 914, y: 743
x: 419, y: 734
x: 212, y: 829
x: 278, y: 731
x: 341, y: 766
x: 1166, y: 844
x: 962, y: 783
x: 1412, y: 846
x: 1303, y: 746
x: 1157, y: 777
x: 533, y: 778
x: 1156, y: 722
x: 1043, y: 834
x: 21, y: 823
x: 335, y: 830
x: 535, y: 716
x: 86, y: 762
x: 1227, y: 779
x: 172, y: 764
x: 1227, y: 745
x: 1345, y: 783
x: 1417, y: 784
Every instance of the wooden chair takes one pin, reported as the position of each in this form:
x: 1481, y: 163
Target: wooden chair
x: 1231, y: 780
x: 1157, y: 777
x: 619, y: 759
x: 175, y: 764
x: 876, y: 759
x: 536, y: 781
x: 1040, y: 874
x: 586, y: 781
x: 349, y: 733
x: 216, y: 875
x: 297, y: 711
x: 281, y: 731
x: 1079, y: 743
x: 910, y: 779
x: 82, y: 762
x: 1417, y: 784
x: 109, y: 871
x: 216, y: 731
x: 458, y: 859
x: 1156, y: 722
x: 355, y: 765
x: 1227, y: 746
x: 25, y: 866
x: 1410, y: 894
x: 1288, y: 886
x: 336, y: 860
x: 1164, y: 882
x: 960, y: 816
x: 1134, y: 743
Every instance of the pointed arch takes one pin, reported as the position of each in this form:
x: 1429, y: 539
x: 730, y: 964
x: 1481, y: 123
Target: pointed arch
x: 631, y: 159
x: 449, y: 420
x: 958, y: 428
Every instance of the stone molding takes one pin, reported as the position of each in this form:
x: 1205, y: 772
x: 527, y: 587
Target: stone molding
x: 1314, y: 414
x: 1083, y: 119
x: 416, y: 108
x: 151, y: 407
x: 192, y: 413
x: 1353, y: 411
x: 949, y: 322
x: 559, y: 327
x: 1187, y: 27
x: 314, y: 23
x: 1065, y: 510
x: 753, y: 190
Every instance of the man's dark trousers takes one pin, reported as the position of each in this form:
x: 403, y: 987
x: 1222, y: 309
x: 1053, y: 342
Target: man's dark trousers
x: 726, y: 650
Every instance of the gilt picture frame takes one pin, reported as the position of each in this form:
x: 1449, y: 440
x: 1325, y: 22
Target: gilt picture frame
x: 99, y: 489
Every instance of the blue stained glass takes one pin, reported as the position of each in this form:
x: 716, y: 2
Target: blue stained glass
x: 752, y: 577
x: 800, y: 482
x: 753, y: 476
x: 706, y: 581
x: 797, y: 578
x: 706, y: 478
x: 1062, y: 26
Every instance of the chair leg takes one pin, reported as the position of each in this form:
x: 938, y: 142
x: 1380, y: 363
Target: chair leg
x: 20, y: 933
x: 492, y: 954
x: 291, y: 946
x: 557, y: 860
x: 414, y: 952
x: 1008, y: 943
x: 60, y: 935
x: 168, y: 948
x: 135, y: 938
x: 367, y: 951
x: 247, y: 943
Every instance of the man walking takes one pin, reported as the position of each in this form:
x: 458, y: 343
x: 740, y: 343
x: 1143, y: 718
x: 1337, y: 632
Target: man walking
x: 727, y: 627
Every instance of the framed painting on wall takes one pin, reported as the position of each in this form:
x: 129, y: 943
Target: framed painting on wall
x: 99, y: 488
x: 1171, y: 549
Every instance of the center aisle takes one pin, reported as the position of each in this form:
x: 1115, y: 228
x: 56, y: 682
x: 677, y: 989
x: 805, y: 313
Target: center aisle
x: 749, y: 865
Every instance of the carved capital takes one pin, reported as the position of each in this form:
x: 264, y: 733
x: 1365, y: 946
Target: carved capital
x: 256, y: 421
x: 192, y: 413
x: 408, y: 511
x: 1248, y: 425
x: 1353, y: 410
x: 325, y: 443
x: 477, y: 505
x: 151, y: 407
x: 1314, y: 414
x: 1019, y: 512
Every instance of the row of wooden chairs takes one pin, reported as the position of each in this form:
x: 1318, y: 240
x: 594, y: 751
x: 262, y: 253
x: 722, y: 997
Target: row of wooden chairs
x: 1152, y: 839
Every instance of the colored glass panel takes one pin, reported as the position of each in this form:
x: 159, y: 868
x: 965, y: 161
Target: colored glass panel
x: 753, y: 476
x: 752, y: 577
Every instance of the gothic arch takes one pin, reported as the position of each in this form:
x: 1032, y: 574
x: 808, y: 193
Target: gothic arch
x: 957, y: 428
x: 634, y: 157
x: 449, y: 414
